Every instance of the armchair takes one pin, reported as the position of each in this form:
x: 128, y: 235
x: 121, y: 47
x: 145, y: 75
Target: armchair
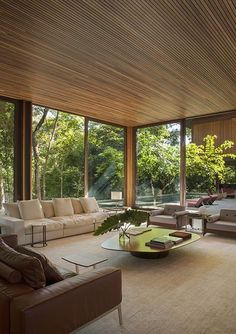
x: 223, y: 223
x: 171, y: 216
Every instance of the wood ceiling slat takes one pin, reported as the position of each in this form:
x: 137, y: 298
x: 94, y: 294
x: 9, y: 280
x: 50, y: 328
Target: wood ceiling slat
x: 128, y: 62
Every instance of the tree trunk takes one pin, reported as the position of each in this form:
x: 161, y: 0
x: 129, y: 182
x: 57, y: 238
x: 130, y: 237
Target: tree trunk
x: 47, y: 156
x: 37, y: 177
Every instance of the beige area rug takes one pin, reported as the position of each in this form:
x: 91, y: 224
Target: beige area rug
x: 192, y: 291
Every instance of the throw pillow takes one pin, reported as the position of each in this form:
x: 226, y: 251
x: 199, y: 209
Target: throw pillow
x: 9, y: 274
x: 12, y: 210
x: 77, y: 206
x: 29, y: 267
x: 30, y: 209
x: 48, y: 209
x: 89, y: 204
x: 52, y: 274
x: 63, y: 207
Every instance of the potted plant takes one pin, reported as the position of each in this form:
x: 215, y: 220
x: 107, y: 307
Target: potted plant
x: 122, y: 221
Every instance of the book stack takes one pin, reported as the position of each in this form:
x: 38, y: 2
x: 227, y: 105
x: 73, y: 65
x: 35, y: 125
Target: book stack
x: 160, y: 242
x: 181, y: 234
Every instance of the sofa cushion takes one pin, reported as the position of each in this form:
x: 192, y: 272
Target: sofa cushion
x: 163, y: 219
x: 63, y: 207
x: 10, y: 274
x: 52, y: 274
x: 51, y: 225
x: 30, y: 267
x: 75, y: 220
x: 228, y: 215
x: 30, y: 209
x: 12, y: 210
x: 48, y: 209
x: 77, y: 206
x: 89, y: 204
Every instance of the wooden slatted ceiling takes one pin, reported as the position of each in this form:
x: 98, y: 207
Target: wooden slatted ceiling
x: 130, y: 62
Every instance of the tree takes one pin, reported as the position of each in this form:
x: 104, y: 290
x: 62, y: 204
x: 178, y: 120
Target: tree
x: 206, y: 163
x: 158, y: 158
x: 6, y: 151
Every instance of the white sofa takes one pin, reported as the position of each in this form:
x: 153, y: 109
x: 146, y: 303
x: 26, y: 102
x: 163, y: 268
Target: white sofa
x: 63, y: 217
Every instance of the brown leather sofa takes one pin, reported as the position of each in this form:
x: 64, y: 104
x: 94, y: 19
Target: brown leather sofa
x: 61, y: 307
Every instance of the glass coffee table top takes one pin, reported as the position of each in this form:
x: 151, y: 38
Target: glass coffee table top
x: 136, y: 244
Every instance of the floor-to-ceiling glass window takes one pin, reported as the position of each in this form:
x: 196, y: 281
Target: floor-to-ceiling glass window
x: 7, y: 110
x: 106, y: 163
x: 158, y: 165
x: 58, y: 154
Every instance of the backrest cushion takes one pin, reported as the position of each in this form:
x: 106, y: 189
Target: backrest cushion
x: 29, y: 267
x: 170, y: 209
x: 77, y: 206
x: 30, y: 209
x: 228, y: 215
x: 12, y: 210
x: 89, y: 204
x: 10, y: 274
x: 63, y: 207
x: 48, y: 209
x: 52, y: 274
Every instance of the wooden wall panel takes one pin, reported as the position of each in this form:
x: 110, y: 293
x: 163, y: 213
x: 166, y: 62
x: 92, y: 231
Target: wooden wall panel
x: 224, y: 129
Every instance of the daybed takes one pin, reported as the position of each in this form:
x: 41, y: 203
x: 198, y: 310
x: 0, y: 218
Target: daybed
x: 36, y: 297
x: 63, y: 217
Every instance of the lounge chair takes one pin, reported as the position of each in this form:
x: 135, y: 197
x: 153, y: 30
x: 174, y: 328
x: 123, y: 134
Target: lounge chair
x: 203, y: 200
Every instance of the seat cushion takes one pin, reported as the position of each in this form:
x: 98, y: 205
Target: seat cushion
x: 163, y: 219
x: 30, y: 209
x: 51, y: 225
x: 221, y: 225
x: 82, y: 219
x: 29, y: 267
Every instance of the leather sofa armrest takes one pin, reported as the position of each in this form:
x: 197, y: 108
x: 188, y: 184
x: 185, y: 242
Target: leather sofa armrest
x: 64, y: 306
x: 180, y: 213
x: 213, y: 218
x: 11, y: 225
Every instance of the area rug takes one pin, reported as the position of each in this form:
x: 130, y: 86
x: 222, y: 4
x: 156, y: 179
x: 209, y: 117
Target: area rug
x: 191, y: 291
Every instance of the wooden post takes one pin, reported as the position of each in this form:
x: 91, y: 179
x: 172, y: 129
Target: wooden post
x: 130, y: 167
x: 182, y: 162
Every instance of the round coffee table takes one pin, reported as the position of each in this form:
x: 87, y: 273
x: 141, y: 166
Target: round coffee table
x: 136, y: 244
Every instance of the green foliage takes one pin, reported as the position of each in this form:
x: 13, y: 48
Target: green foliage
x: 206, y: 163
x: 134, y: 217
x: 158, y: 158
x: 6, y: 151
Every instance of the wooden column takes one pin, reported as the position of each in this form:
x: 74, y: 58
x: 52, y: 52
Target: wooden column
x: 23, y: 151
x: 130, y: 166
x: 182, y: 162
x: 86, y: 173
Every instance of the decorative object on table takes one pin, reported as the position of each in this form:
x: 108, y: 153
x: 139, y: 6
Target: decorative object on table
x: 122, y: 220
x: 116, y: 196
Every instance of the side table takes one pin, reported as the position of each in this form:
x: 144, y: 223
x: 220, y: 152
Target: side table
x: 81, y: 260
x: 34, y: 227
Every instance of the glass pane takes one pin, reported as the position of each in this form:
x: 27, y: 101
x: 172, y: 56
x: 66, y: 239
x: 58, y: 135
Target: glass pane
x: 106, y: 162
x: 58, y: 154
x: 158, y: 165
x: 6, y: 152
